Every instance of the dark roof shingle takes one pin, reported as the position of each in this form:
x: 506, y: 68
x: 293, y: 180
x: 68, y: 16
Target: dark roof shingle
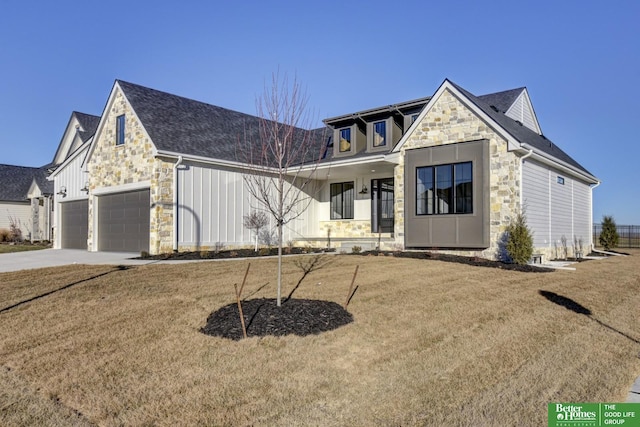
x: 16, y: 181
x: 502, y: 100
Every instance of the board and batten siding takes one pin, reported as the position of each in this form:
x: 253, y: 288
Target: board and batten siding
x: 212, y: 203
x: 553, y: 209
x: 73, y: 177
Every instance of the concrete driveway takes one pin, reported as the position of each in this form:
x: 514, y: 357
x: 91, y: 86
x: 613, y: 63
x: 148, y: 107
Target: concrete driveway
x: 56, y: 257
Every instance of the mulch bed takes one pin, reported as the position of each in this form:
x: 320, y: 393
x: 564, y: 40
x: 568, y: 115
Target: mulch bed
x: 263, y: 317
x: 235, y: 253
x: 474, y: 261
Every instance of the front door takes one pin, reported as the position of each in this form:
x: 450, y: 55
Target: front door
x: 382, y: 205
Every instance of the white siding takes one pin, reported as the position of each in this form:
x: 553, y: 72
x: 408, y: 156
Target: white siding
x: 20, y: 212
x: 522, y: 111
x: 582, y: 227
x: 535, y: 198
x: 555, y: 210
x: 73, y: 177
x: 561, y: 207
x: 212, y: 205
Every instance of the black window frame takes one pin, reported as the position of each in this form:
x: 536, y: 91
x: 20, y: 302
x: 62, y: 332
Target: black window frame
x: 344, y: 194
x: 454, y: 195
x: 120, y: 129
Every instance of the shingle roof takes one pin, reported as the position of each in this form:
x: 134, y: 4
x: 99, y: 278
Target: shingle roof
x: 522, y: 133
x: 89, y: 123
x: 181, y: 125
x: 16, y: 181
x: 502, y: 100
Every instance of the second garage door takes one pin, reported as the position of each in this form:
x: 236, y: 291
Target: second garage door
x: 74, y: 224
x: 123, y: 222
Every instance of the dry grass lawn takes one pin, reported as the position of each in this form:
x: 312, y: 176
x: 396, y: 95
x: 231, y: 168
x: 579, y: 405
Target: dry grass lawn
x: 432, y: 343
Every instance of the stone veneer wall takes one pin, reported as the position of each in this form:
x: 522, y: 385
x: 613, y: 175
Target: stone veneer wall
x: 349, y: 228
x: 130, y: 163
x: 449, y: 122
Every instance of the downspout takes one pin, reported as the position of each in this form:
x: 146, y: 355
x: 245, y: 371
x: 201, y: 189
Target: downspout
x: 593, y: 244
x: 529, y: 154
x: 176, y: 239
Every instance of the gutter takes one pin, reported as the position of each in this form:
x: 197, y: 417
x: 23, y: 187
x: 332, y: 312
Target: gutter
x: 175, y: 204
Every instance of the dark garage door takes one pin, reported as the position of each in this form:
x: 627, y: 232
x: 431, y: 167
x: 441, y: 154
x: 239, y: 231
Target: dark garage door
x: 123, y: 222
x: 74, y: 224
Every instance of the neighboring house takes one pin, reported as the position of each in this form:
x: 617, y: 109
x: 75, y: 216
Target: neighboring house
x: 27, y: 194
x: 26, y: 201
x: 448, y: 172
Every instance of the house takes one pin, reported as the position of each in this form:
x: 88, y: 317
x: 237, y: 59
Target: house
x: 27, y: 195
x: 448, y: 171
x: 26, y: 201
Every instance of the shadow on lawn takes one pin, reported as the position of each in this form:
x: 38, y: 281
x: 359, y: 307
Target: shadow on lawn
x: 37, y: 297
x: 576, y: 307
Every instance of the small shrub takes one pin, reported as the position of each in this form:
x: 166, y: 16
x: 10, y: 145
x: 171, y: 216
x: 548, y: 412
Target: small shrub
x: 15, y: 232
x: 205, y: 254
x: 563, y: 243
x: 609, y: 234
x: 144, y: 254
x: 4, y: 235
x: 519, y: 240
x: 219, y: 246
x: 256, y: 221
x: 233, y: 254
x: 356, y: 249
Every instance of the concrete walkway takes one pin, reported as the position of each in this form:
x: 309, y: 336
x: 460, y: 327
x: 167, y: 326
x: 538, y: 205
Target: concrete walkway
x: 27, y: 260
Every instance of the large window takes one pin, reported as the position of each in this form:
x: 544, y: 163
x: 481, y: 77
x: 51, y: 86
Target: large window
x: 444, y: 189
x: 342, y: 200
x: 345, y: 140
x: 120, y: 130
x: 380, y: 134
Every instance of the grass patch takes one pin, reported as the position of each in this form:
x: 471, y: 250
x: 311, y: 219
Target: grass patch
x: 6, y: 248
x: 432, y: 343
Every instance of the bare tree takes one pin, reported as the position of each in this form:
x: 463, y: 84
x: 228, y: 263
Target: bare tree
x: 283, y: 157
x: 256, y: 220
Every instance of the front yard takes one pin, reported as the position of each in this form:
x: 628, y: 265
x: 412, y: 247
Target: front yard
x: 432, y: 343
x: 6, y: 248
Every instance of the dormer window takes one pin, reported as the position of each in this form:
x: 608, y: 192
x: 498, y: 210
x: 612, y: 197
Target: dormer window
x: 120, y: 130
x: 344, y: 144
x: 379, y: 134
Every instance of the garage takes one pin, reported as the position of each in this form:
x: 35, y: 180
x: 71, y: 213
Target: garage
x: 74, y: 221
x: 123, y: 221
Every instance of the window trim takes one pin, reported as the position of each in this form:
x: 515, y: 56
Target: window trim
x: 347, y: 200
x: 340, y: 130
x: 385, y: 137
x: 120, y: 129
x: 453, y: 197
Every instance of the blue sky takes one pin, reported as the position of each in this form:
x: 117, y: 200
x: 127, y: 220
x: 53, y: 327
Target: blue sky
x: 579, y: 60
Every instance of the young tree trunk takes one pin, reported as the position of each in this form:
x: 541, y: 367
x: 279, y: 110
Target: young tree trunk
x: 279, y: 264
